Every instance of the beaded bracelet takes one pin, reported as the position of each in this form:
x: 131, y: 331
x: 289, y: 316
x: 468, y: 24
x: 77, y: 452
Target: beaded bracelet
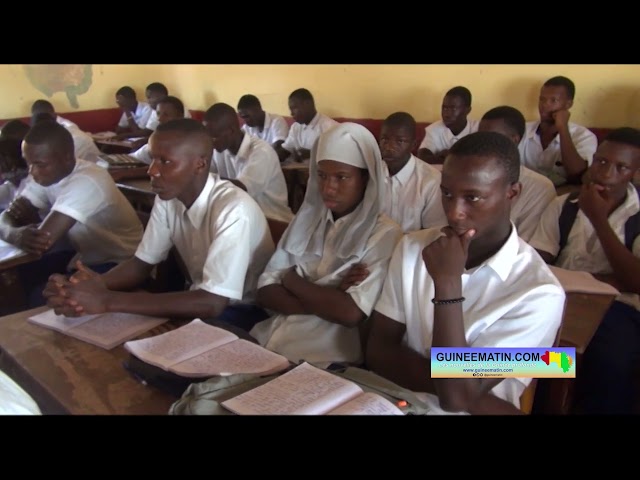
x: 447, y: 302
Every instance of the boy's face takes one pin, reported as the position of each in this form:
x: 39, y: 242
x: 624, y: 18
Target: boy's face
x: 175, y: 163
x: 552, y: 98
x: 396, y: 143
x: 300, y: 109
x: 220, y: 133
x: 476, y: 194
x: 614, y: 165
x: 454, y: 111
x: 498, y: 125
x: 153, y: 98
x: 47, y: 164
x: 166, y: 112
x: 250, y: 116
x: 341, y: 186
x: 125, y: 103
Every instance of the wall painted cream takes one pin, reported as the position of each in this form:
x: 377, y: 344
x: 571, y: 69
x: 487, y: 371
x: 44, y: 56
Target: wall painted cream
x: 607, y: 95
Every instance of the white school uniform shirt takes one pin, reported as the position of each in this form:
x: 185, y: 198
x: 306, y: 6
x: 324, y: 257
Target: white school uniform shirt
x: 310, y: 337
x: 583, y: 251
x: 153, y: 121
x: 107, y: 228
x: 512, y: 301
x: 8, y: 191
x: 414, y: 200
x: 275, y: 128
x: 14, y: 400
x: 257, y: 166
x: 303, y: 136
x: 544, y: 161
x: 84, y: 146
x: 223, y: 239
x: 143, y: 154
x: 537, y: 192
x: 140, y: 116
x: 438, y: 137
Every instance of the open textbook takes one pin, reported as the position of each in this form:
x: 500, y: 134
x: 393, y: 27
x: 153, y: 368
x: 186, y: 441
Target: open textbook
x: 201, y: 350
x: 582, y: 282
x: 308, y: 390
x: 107, y: 330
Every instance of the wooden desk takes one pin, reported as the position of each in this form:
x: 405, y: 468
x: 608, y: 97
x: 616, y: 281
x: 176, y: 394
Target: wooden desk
x: 138, y: 192
x: 67, y: 376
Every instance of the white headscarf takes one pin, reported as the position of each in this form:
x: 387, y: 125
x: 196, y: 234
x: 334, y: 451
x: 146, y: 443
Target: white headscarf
x: 354, y: 145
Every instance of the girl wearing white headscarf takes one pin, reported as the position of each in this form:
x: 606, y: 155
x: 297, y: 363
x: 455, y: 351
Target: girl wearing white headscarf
x: 328, y: 270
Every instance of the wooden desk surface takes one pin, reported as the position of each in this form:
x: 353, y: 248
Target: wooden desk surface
x: 583, y: 315
x: 67, y: 376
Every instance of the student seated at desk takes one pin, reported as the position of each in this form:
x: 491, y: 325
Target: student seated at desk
x: 270, y: 127
x: 135, y: 115
x: 598, y: 231
x: 537, y: 190
x: 330, y: 264
x: 413, y: 186
x: 553, y: 146
x: 83, y: 201
x: 309, y: 125
x: 473, y: 283
x: 84, y: 145
x: 13, y: 171
x: 15, y: 129
x: 247, y: 161
x: 218, y: 229
x: 169, y: 108
x: 155, y: 93
x: 14, y: 400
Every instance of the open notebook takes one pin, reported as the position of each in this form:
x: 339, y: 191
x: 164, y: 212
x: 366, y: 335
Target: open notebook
x: 8, y: 251
x: 582, y: 282
x: 107, y: 330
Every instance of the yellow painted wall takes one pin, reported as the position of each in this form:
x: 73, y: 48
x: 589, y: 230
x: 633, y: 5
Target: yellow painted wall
x: 607, y: 95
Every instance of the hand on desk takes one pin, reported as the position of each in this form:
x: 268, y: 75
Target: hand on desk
x: 34, y: 241
x: 84, y: 293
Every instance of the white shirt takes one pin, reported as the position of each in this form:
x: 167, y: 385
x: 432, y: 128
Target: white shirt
x: 223, y: 239
x: 14, y: 400
x: 257, y: 166
x: 544, y: 161
x: 84, y: 146
x: 140, y: 116
x: 512, y: 301
x: 303, y: 136
x: 537, y: 192
x: 438, y: 137
x: 143, y: 154
x: 583, y: 250
x: 275, y: 128
x: 153, y: 121
x: 107, y: 228
x: 310, y: 337
x: 414, y: 199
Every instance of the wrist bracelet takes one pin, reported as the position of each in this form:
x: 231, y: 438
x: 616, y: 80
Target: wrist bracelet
x: 447, y: 302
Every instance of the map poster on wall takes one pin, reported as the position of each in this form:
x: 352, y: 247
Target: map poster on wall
x: 73, y: 80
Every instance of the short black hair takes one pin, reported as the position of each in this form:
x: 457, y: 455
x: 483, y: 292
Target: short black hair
x: 157, y: 87
x: 461, y: 92
x: 11, y: 153
x: 512, y: 118
x: 127, y: 92
x: 625, y: 135
x: 51, y: 133
x: 221, y: 112
x: 189, y: 128
x: 301, y: 94
x: 561, y: 81
x: 491, y: 144
x: 14, y: 129
x: 42, y: 106
x: 175, y: 101
x: 249, y: 101
x: 42, y: 117
x: 401, y: 120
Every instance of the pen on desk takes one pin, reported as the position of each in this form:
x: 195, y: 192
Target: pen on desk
x: 402, y: 403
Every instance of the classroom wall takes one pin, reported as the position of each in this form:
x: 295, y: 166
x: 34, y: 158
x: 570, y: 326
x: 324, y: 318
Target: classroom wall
x: 607, y: 95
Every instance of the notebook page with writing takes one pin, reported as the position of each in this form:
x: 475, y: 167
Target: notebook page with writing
x: 239, y: 356
x: 305, y: 390
x: 60, y: 323
x: 180, y: 344
x: 581, y: 282
x: 112, y: 329
x: 367, y: 404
